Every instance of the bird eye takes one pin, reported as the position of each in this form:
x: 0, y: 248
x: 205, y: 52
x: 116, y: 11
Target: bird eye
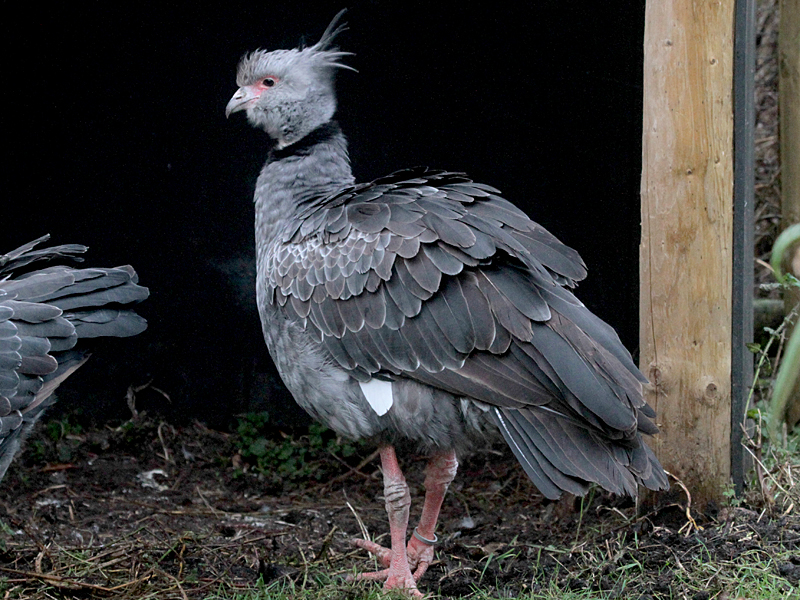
x: 268, y: 82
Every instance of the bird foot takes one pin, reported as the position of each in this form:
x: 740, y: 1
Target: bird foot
x: 391, y: 581
x: 419, y: 554
x: 419, y: 557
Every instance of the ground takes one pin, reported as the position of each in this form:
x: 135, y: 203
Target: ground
x: 149, y: 510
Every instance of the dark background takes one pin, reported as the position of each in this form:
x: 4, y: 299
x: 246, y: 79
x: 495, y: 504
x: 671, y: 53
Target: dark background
x: 117, y: 139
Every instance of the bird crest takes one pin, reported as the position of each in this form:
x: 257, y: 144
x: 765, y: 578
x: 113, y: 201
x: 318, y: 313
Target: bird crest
x: 322, y: 57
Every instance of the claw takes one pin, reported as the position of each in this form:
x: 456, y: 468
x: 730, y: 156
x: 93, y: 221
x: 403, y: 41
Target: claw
x: 390, y: 582
x: 420, y: 556
x: 371, y: 576
x: 382, y: 554
x: 393, y: 579
x: 423, y: 566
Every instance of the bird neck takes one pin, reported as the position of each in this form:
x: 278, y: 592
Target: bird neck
x: 313, y: 167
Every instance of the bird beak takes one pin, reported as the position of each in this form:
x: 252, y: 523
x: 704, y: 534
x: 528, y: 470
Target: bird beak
x: 239, y: 101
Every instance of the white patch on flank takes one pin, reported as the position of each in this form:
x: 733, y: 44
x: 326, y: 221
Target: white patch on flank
x: 379, y: 395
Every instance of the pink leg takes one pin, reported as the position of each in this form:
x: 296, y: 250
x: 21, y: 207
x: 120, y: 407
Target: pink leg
x: 398, y: 499
x: 440, y: 472
x: 419, y: 554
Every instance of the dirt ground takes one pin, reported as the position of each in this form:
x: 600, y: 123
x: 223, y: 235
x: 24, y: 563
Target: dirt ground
x: 148, y: 510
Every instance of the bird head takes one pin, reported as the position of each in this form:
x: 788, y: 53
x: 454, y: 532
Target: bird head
x: 289, y: 93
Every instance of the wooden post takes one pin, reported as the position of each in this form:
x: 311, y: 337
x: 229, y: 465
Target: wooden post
x: 789, y: 107
x: 686, y: 250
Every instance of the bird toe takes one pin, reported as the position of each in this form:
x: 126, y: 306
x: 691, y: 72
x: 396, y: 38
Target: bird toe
x: 384, y: 555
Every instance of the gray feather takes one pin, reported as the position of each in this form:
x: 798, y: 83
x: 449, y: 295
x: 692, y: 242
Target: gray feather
x: 43, y: 315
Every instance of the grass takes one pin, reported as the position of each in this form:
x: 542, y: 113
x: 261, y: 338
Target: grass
x: 753, y: 575
x: 215, y: 535
x: 621, y: 566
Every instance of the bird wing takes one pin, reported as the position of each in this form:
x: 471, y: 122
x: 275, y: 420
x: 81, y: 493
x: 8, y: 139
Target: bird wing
x: 42, y: 315
x: 428, y: 275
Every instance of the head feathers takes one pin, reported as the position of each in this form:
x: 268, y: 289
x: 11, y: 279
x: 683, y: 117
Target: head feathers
x: 321, y: 58
x: 289, y: 93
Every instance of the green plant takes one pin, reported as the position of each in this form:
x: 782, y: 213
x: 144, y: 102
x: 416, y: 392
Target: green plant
x: 60, y: 429
x: 790, y: 369
x: 731, y: 498
x: 774, y: 450
x: 56, y: 441
x: 290, y: 458
x: 777, y: 358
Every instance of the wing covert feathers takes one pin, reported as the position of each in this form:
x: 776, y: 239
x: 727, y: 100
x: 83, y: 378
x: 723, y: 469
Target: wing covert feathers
x: 430, y: 276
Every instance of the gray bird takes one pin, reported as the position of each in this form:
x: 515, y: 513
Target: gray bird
x: 423, y: 307
x: 44, y: 317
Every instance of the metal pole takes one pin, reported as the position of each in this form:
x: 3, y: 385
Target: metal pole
x: 743, y: 206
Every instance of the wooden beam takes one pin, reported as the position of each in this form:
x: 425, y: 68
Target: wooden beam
x: 789, y: 107
x: 789, y: 110
x: 686, y: 249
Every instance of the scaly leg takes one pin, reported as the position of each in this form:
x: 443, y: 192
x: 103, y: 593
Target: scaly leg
x: 419, y: 554
x: 440, y: 472
x: 398, y: 499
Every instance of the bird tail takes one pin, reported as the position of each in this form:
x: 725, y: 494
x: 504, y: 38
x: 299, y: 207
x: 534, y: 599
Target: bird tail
x: 560, y: 455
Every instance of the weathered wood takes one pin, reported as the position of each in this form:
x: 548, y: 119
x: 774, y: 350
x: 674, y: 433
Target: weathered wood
x: 789, y: 110
x: 685, y: 253
x: 789, y: 107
